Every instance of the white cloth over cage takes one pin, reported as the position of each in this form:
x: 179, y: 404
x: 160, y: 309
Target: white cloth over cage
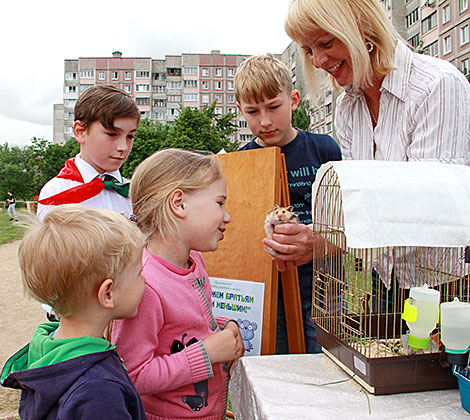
x: 402, y: 203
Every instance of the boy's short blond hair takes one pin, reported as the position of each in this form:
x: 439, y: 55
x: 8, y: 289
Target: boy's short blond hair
x: 158, y: 176
x: 105, y: 103
x: 65, y: 257
x: 262, y: 77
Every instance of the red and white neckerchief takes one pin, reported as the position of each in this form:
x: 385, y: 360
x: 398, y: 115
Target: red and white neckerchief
x: 76, y: 194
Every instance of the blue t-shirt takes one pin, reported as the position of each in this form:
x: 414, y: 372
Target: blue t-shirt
x: 304, y: 155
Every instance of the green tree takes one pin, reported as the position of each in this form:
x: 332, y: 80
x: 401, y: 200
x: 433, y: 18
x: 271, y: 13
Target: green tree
x: 13, y: 172
x: 203, y: 129
x: 301, y: 116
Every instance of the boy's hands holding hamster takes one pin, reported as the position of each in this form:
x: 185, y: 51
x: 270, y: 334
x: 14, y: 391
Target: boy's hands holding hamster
x: 226, y: 345
x: 291, y: 245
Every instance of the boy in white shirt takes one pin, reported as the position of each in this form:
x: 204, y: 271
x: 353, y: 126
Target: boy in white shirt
x: 106, y: 120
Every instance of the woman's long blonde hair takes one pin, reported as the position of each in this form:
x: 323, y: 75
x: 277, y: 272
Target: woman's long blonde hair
x: 354, y: 23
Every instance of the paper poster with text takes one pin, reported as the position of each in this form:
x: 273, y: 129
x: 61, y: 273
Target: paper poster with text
x: 241, y: 300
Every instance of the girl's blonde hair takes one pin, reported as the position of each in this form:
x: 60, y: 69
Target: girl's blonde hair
x: 354, y: 23
x: 158, y: 176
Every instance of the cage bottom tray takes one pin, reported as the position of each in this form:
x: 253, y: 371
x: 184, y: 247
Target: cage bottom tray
x: 389, y: 375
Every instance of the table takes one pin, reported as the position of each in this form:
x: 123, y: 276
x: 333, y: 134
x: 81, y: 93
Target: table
x: 311, y: 386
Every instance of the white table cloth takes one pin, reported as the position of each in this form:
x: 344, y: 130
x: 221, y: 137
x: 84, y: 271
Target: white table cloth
x: 292, y: 387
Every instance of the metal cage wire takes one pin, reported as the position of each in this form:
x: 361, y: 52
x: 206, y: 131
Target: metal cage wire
x: 343, y: 291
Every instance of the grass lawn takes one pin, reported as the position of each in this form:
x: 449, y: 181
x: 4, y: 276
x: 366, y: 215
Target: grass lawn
x: 10, y: 231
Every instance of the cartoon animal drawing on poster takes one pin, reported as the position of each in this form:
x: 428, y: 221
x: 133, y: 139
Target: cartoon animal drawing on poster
x: 247, y: 329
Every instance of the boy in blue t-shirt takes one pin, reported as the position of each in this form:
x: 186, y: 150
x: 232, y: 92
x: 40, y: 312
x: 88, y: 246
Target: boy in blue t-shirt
x: 266, y: 99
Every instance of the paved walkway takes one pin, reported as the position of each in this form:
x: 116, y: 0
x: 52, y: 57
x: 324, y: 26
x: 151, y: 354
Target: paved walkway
x: 19, y: 316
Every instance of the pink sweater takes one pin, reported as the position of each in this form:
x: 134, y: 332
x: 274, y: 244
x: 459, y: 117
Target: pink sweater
x: 175, y: 381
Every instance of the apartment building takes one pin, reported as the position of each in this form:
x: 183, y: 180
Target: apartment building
x: 160, y: 87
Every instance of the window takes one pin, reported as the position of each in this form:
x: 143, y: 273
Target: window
x: 191, y: 97
x: 174, y: 85
x: 159, y: 102
x: 101, y: 75
x: 387, y: 4
x: 190, y: 70
x: 159, y: 89
x: 218, y: 98
x: 205, y: 72
x: 190, y: 83
x: 464, y: 66
x: 159, y: 116
x: 142, y: 101
x: 127, y: 75
x: 414, y: 41
x: 83, y: 88
x: 412, y: 18
x: 218, y: 71
x: 447, y: 44
x: 70, y: 103
x: 429, y: 23
x: 464, y: 34
x: 218, y: 111
x: 71, y: 89
x: 159, y: 76
x: 173, y: 111
x: 329, y: 127
x: 114, y: 75
x: 229, y: 85
x: 245, y: 137
x: 446, y: 14
x: 230, y: 72
x: 87, y: 74
x: 128, y: 88
x: 242, y: 124
x: 141, y: 74
x: 218, y: 85
x: 174, y: 98
x: 142, y: 88
x: 463, y: 5
x: 231, y: 110
x: 173, y: 71
x: 205, y: 84
x: 231, y: 99
x: 70, y: 75
x: 328, y: 108
x: 68, y: 116
x: 432, y: 49
x: 205, y: 99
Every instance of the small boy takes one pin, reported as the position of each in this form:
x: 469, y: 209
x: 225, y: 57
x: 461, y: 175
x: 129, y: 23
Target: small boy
x: 86, y: 263
x: 106, y: 120
x: 266, y: 99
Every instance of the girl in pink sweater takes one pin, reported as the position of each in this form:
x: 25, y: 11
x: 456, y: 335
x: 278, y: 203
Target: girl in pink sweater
x: 175, y: 349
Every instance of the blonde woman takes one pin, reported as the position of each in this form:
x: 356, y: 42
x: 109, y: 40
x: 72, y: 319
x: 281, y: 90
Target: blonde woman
x: 397, y: 105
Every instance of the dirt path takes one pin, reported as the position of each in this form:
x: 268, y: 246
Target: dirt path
x: 19, y: 316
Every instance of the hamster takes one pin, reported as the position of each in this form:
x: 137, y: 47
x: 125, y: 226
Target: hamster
x: 279, y: 215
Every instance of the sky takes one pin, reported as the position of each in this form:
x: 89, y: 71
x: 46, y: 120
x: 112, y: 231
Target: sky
x: 36, y: 37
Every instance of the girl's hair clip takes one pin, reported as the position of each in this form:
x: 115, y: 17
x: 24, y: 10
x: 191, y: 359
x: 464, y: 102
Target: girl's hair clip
x: 133, y: 218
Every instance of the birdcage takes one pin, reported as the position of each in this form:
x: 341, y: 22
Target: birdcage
x: 379, y: 229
